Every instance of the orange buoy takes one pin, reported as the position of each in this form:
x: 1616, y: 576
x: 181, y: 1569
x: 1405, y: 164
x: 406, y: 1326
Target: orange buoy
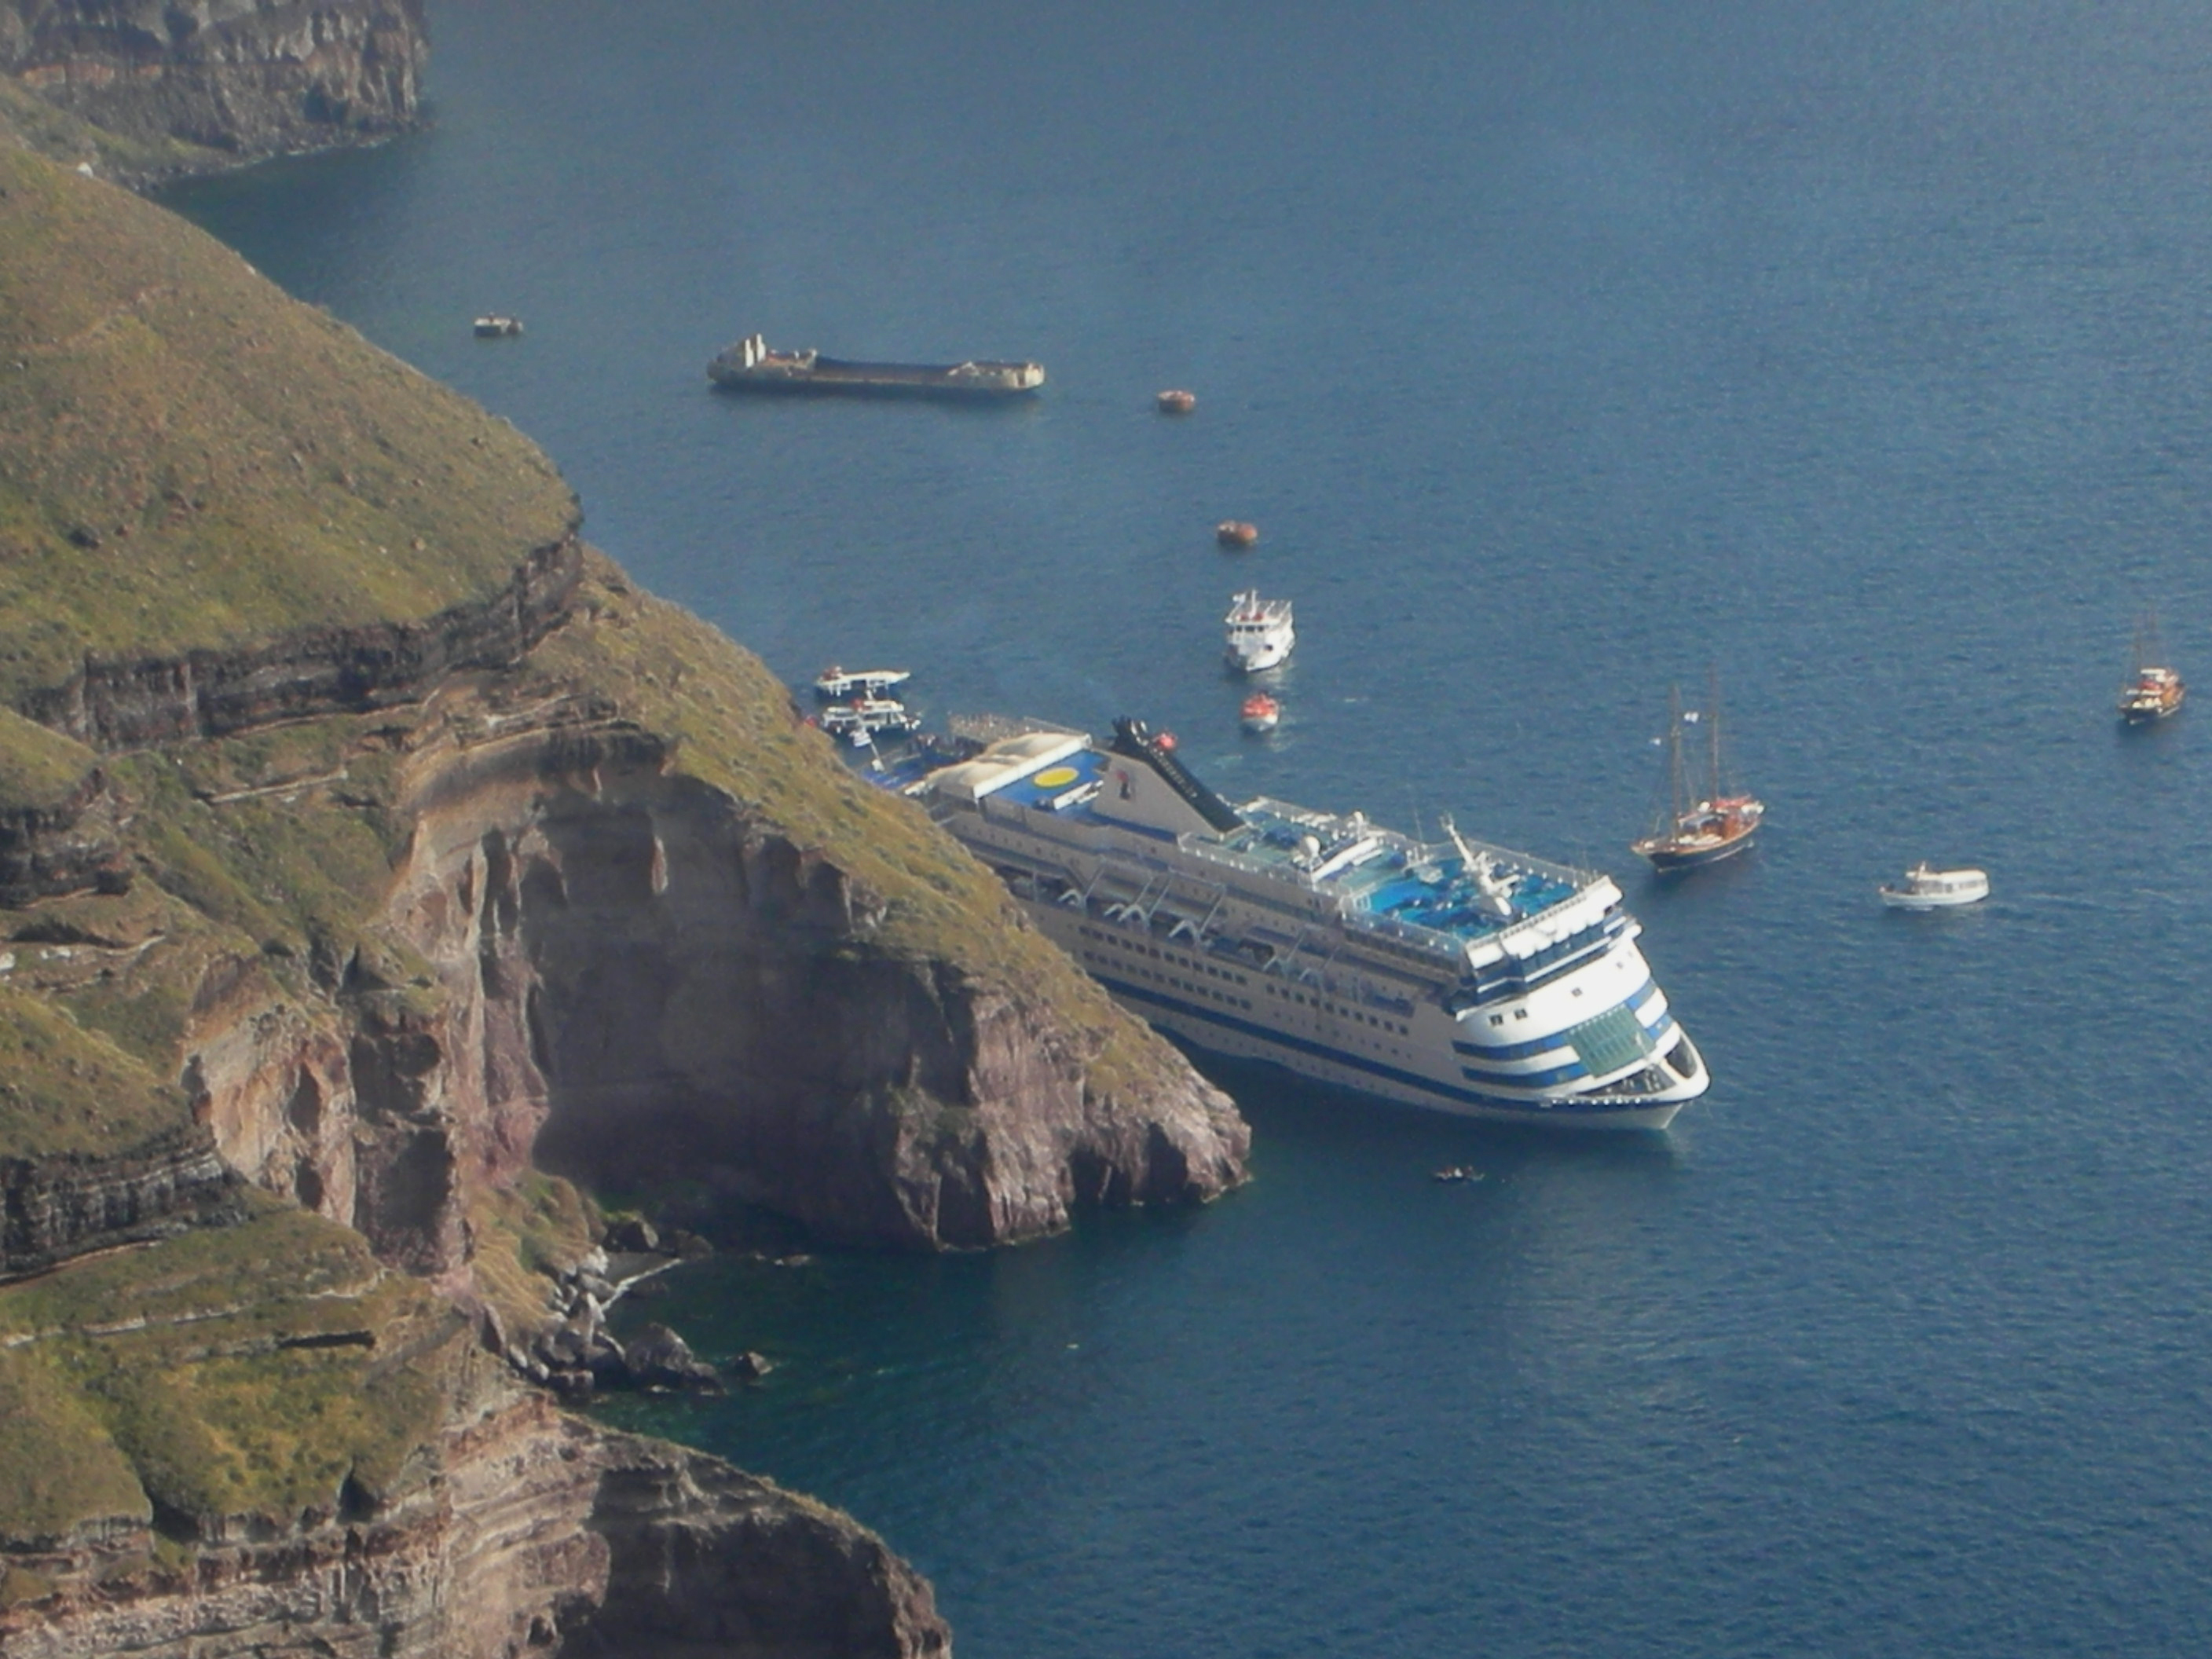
x: 1177, y: 402
x: 1236, y: 532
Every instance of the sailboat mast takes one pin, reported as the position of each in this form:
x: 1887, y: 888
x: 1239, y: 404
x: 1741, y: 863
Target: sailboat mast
x: 1677, y: 792
x: 1713, y: 717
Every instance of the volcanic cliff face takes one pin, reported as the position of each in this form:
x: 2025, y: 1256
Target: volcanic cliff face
x: 241, y: 78
x: 520, y: 1529
x: 372, y: 854
x: 641, y: 979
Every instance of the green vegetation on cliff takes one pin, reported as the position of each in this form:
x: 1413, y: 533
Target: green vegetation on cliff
x: 189, y: 459
x: 250, y: 1371
x: 56, y: 134
x: 189, y: 462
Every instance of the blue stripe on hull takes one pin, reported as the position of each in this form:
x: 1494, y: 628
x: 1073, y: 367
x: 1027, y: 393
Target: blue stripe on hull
x: 1570, y: 1105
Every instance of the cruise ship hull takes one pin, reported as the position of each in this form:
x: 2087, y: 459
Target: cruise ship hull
x: 1334, y: 1058
x: 1452, y: 976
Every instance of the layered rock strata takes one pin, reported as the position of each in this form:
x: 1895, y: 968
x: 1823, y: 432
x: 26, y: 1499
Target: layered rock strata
x: 60, y: 1206
x: 367, y: 840
x: 527, y: 1531
x: 67, y: 845
x: 638, y: 980
x: 691, y: 993
x: 244, y: 78
x: 211, y: 693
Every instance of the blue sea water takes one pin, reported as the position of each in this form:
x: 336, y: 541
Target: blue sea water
x: 1862, y: 350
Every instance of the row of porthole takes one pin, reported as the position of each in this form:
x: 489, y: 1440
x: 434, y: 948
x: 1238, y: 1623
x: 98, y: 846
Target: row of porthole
x: 1183, y: 984
x: 1105, y: 936
x: 1337, y: 1010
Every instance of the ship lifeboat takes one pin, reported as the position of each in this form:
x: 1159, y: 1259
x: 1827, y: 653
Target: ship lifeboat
x: 1176, y: 403
x: 1261, y: 714
x: 1165, y: 742
x: 1236, y: 532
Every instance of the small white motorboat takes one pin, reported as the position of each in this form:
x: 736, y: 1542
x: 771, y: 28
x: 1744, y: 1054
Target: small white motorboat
x: 840, y: 684
x: 1259, y: 632
x: 1926, y: 889
x: 492, y: 326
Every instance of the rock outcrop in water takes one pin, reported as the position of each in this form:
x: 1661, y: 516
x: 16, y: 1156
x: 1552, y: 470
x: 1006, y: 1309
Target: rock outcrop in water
x: 237, y: 80
x: 371, y: 855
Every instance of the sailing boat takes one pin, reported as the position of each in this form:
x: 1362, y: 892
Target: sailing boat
x: 1689, y: 831
x: 2153, y: 693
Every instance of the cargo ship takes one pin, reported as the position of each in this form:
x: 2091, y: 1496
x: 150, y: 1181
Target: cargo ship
x: 1448, y: 974
x: 752, y: 365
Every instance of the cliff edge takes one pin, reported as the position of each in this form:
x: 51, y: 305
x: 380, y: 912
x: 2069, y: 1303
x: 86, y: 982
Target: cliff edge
x: 373, y: 856
x: 183, y: 88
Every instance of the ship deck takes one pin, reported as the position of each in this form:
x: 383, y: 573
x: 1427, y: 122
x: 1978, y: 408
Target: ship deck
x: 1383, y: 874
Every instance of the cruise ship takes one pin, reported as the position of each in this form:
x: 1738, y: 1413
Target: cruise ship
x: 1449, y: 974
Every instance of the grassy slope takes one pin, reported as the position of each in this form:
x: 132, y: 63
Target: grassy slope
x: 233, y: 465
x: 71, y: 140
x: 163, y: 1380
x: 187, y: 459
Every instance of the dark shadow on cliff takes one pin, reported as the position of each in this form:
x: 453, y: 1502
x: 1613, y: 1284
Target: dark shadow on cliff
x: 707, y: 1007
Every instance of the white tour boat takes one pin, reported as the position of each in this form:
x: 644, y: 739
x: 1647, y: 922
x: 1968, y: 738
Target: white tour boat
x: 840, y: 684
x: 860, y: 721
x: 1260, y: 631
x: 1937, y: 890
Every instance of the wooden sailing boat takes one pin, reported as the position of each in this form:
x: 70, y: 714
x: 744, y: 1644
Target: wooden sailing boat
x: 1690, y: 830
x: 2153, y: 693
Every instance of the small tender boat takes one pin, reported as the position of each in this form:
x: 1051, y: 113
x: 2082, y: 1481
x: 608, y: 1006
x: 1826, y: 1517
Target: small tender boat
x: 1260, y: 631
x: 1236, y: 532
x: 1177, y: 402
x: 1452, y: 1174
x: 1925, y: 889
x: 1260, y: 714
x: 496, y: 327
x: 840, y: 684
x: 863, y: 719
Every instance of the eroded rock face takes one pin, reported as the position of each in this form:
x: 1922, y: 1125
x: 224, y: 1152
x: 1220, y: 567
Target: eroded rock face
x: 537, y: 1532
x: 635, y: 983
x: 55, y: 1207
x: 695, y: 1000
x: 71, y: 845
x: 206, y: 694
x: 251, y: 77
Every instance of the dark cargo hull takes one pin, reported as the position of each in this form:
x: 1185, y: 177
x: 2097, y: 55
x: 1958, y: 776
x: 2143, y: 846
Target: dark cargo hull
x: 966, y: 382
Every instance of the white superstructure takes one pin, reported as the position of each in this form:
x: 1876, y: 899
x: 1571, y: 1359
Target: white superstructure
x: 863, y: 719
x: 842, y: 683
x: 1453, y: 976
x: 1260, y: 631
x: 1937, y: 890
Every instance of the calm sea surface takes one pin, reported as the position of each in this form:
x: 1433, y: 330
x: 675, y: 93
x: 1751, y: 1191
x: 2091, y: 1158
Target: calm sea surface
x: 1863, y: 350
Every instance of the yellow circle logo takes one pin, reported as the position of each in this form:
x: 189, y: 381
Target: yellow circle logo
x: 1058, y: 777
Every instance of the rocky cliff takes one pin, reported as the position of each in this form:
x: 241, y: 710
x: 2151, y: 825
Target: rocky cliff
x: 373, y: 855
x: 403, y: 1497
x: 222, y: 79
